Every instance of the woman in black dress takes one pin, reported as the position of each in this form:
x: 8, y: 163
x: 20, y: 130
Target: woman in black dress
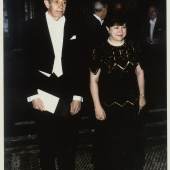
x: 117, y: 88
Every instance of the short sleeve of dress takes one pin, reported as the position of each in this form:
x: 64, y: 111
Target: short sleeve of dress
x: 137, y: 55
x: 95, y: 61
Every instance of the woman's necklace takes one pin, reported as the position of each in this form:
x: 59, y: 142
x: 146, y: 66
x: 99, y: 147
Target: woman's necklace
x: 117, y: 45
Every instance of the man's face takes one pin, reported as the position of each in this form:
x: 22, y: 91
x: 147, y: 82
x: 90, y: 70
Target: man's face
x: 117, y: 32
x: 56, y: 8
x: 152, y: 12
x: 104, y: 13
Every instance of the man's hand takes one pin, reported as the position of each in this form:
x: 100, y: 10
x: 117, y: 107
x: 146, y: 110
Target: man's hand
x: 75, y: 107
x: 100, y: 113
x: 38, y: 104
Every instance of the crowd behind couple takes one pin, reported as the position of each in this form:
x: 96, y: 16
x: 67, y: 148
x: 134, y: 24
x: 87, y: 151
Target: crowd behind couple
x: 91, y: 63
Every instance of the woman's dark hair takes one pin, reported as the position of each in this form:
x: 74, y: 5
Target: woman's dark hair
x: 116, y: 19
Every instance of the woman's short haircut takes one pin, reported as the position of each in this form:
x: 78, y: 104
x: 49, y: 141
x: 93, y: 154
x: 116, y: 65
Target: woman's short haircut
x: 116, y: 19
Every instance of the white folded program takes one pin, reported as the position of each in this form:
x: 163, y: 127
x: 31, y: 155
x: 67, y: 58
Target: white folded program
x: 50, y: 101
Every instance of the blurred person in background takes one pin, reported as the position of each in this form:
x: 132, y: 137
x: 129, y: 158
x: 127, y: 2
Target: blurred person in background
x: 153, y: 40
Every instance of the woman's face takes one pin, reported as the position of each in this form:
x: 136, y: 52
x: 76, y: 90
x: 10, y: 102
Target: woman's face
x: 117, y: 32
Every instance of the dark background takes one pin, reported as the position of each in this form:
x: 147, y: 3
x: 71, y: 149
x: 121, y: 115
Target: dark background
x: 16, y: 13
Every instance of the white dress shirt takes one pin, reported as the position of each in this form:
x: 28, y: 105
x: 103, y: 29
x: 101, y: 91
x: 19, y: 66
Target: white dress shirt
x: 56, y: 30
x: 152, y: 26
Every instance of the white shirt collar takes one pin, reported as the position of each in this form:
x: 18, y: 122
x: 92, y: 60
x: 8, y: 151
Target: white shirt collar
x: 56, y: 30
x: 98, y: 18
x: 51, y: 20
x: 153, y: 20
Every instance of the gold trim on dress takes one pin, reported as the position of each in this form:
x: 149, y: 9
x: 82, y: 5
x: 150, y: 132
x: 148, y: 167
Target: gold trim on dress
x: 123, y: 68
x: 120, y: 105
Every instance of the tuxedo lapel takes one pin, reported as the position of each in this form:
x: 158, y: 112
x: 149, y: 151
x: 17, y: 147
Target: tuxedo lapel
x: 69, y: 44
x: 157, y: 25
x: 46, y: 51
x: 148, y: 28
x: 65, y: 49
x: 47, y: 37
x: 96, y: 21
x: 66, y: 36
x: 66, y: 31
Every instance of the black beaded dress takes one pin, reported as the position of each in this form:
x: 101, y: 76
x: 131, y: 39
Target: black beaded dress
x: 116, y: 137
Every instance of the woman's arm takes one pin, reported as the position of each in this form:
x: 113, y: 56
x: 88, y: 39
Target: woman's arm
x: 141, y: 84
x: 99, y: 111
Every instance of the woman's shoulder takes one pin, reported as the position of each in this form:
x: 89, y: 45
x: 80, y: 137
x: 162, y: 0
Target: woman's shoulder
x: 130, y: 43
x: 133, y: 44
x: 103, y: 45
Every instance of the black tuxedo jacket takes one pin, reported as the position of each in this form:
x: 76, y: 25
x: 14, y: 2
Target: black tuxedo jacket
x: 94, y: 33
x: 40, y: 57
x: 158, y: 32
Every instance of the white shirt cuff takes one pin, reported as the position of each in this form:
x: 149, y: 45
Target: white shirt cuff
x: 79, y: 98
x: 31, y: 98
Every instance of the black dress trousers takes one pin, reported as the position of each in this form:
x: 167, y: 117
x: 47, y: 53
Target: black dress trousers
x: 56, y: 137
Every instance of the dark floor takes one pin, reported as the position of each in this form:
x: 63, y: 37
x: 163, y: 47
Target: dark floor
x: 22, y: 151
x: 27, y: 158
x: 156, y: 158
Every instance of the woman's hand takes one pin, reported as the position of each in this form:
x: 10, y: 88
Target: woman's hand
x: 100, y: 113
x: 142, y: 102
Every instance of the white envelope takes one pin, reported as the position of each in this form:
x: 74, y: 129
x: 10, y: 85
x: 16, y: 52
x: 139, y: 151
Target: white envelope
x: 50, y: 101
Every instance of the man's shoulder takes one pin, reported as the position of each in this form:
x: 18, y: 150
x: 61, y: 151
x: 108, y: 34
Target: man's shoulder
x: 94, y: 21
x: 35, y: 21
x: 33, y: 27
x: 72, y: 26
x: 131, y: 43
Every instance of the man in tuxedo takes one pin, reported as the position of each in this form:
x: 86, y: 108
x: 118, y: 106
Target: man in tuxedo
x: 92, y: 33
x: 153, y: 27
x: 94, y: 28
x: 154, y: 48
x: 54, y: 66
